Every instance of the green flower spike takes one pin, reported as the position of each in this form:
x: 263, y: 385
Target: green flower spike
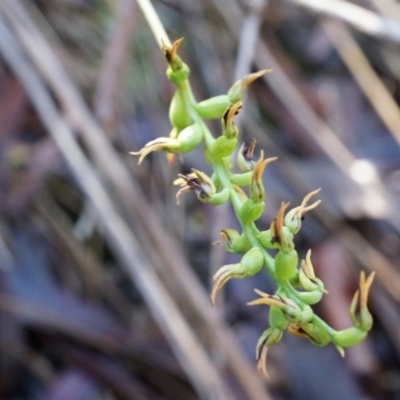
x: 295, y: 216
x: 236, y: 92
x: 296, y: 288
x: 249, y: 265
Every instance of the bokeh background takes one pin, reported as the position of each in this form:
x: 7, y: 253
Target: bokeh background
x: 104, y: 280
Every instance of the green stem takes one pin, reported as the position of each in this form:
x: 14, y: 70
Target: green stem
x: 248, y: 228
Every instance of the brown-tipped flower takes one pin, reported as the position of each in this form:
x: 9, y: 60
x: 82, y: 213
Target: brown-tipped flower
x: 177, y: 70
x: 196, y: 181
x: 170, y: 52
x: 236, y: 91
x: 183, y: 142
x: 295, y: 216
x: 229, y: 129
x: 267, y: 339
x: 359, y: 313
x: 234, y: 242
x: 249, y: 265
x: 161, y: 144
x: 244, y: 159
x: 307, y: 277
x: 257, y: 192
x: 280, y: 234
x: 222, y: 276
x: 289, y: 308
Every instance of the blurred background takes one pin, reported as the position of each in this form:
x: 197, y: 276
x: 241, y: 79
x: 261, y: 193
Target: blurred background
x: 104, y: 280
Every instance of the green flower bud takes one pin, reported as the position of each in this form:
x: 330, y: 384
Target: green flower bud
x: 310, y: 298
x: 178, y: 113
x: 180, y: 75
x: 252, y: 261
x: 266, y: 240
x: 241, y: 179
x: 236, y: 91
x: 251, y: 211
x: 223, y: 147
x: 214, y: 107
x: 190, y: 137
x: 276, y: 319
x: 286, y: 264
x: 234, y: 242
x: 219, y: 198
x: 244, y: 158
x: 306, y: 283
x: 349, y: 337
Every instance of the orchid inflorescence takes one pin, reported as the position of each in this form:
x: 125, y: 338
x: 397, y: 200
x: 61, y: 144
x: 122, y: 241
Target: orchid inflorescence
x: 297, y: 286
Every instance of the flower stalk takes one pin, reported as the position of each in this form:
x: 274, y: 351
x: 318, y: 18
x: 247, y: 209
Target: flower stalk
x: 297, y: 287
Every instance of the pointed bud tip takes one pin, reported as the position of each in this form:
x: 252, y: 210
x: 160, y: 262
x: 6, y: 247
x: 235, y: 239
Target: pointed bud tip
x: 248, y: 79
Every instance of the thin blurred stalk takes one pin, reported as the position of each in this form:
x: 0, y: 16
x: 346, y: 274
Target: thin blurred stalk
x: 154, y: 22
x: 248, y: 39
x: 367, y: 79
x: 388, y: 8
x: 113, y: 66
x: 364, y: 20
